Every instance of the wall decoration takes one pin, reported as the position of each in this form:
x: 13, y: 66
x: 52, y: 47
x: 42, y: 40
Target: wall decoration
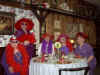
x: 6, y: 23
x: 56, y: 35
x: 57, y: 24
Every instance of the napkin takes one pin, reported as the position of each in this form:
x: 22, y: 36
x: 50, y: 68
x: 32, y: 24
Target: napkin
x: 77, y: 56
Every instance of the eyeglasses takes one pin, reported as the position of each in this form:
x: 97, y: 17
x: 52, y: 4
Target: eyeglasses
x: 14, y: 41
x: 24, y: 23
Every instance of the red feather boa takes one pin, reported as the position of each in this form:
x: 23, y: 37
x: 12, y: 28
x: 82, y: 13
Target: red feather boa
x: 16, y: 66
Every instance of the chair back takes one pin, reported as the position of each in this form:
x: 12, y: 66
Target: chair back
x: 86, y: 69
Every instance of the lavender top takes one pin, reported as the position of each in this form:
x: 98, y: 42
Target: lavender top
x: 86, y: 51
x: 64, y: 49
x: 47, y: 47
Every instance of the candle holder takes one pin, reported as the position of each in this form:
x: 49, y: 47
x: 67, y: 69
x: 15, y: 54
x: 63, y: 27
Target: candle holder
x: 58, y: 52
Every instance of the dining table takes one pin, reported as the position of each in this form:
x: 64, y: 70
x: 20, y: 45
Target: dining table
x: 51, y: 66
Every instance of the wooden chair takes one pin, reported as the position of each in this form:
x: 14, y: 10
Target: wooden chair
x: 75, y: 69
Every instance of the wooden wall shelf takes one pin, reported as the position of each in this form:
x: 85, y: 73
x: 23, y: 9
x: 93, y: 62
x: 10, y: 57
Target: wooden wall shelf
x: 16, y: 5
x: 51, y: 10
x: 63, y: 12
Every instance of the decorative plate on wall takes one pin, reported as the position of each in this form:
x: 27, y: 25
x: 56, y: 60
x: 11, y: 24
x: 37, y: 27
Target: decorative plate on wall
x: 6, y: 23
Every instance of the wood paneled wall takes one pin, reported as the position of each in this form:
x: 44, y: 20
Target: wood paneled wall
x: 70, y: 25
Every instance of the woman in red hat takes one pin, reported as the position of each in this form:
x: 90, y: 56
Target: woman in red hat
x: 46, y: 46
x: 15, y: 59
x: 85, y: 50
x: 68, y: 43
x: 63, y: 39
x: 23, y: 27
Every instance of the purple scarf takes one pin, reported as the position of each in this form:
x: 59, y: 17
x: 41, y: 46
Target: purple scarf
x: 44, y: 44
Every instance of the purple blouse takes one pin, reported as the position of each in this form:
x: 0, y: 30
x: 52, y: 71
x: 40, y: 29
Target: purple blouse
x: 65, y: 50
x: 86, y: 51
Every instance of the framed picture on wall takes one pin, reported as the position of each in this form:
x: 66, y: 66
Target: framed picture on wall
x: 6, y: 23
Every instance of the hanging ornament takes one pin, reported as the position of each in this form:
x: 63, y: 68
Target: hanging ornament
x: 45, y: 5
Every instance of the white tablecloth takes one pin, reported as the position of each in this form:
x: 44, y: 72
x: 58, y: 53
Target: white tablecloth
x: 52, y: 69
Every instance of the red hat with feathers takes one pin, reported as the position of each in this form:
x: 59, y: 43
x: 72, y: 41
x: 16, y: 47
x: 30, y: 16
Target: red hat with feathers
x: 26, y: 21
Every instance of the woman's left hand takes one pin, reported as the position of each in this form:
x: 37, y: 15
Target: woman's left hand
x: 90, y: 59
